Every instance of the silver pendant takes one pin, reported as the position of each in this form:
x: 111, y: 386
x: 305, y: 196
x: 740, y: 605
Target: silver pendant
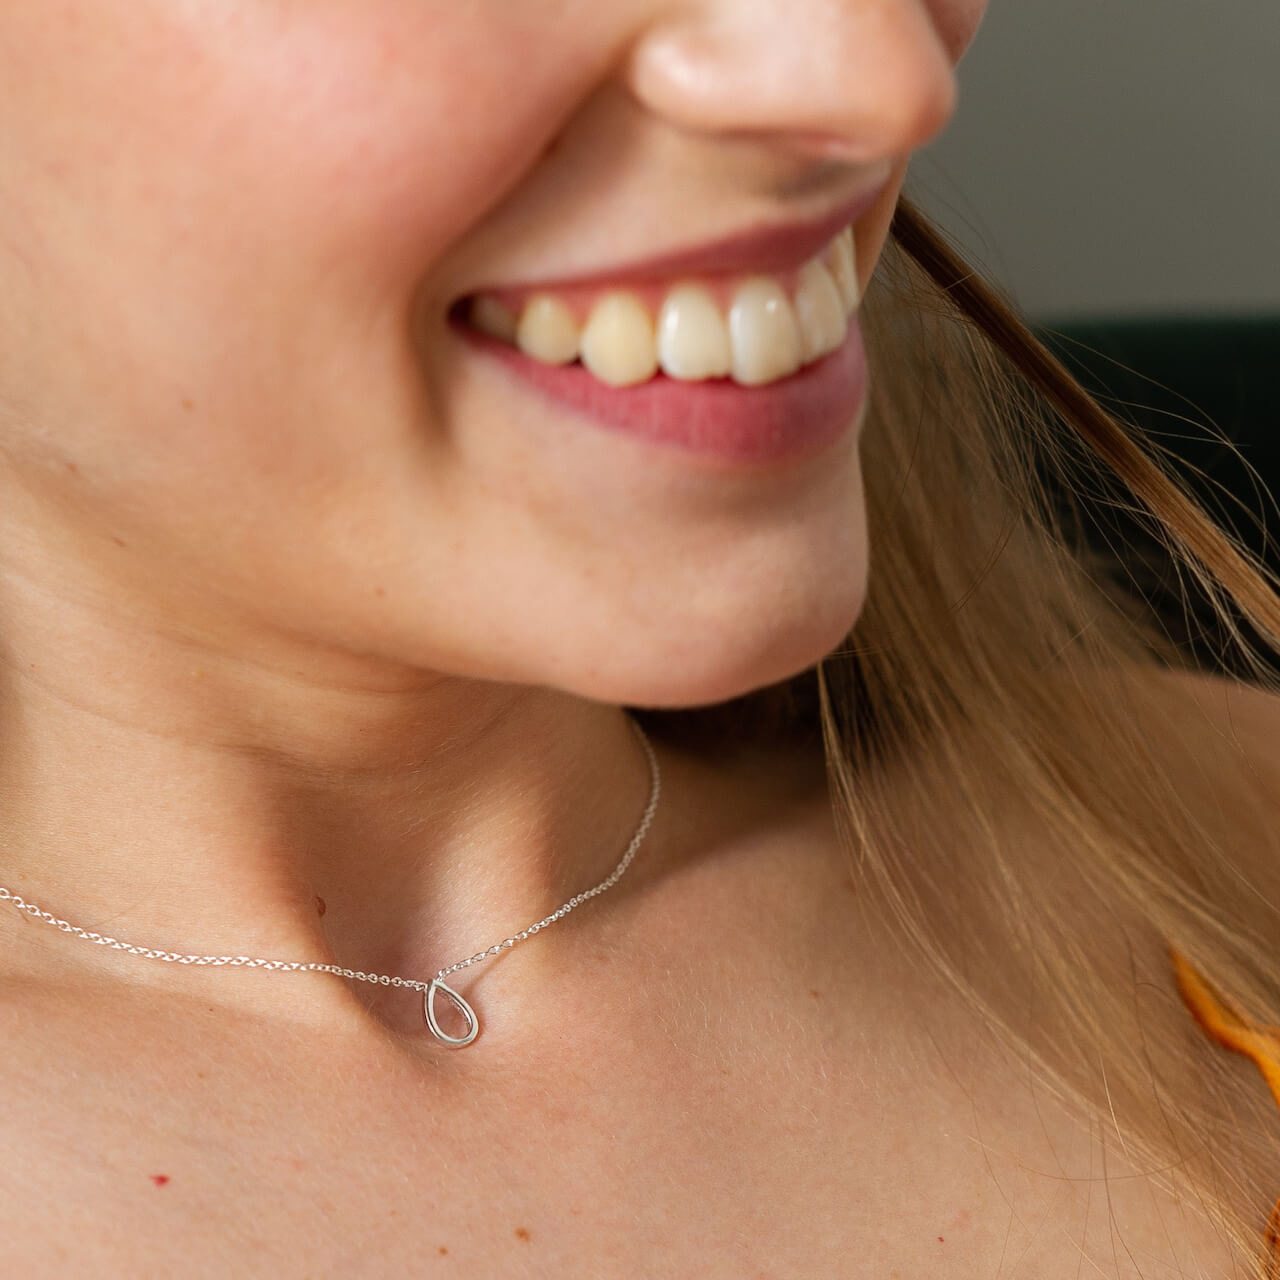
x: 428, y: 1008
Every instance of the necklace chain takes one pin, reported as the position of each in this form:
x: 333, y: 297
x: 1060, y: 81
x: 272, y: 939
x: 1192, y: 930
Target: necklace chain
x: 427, y: 987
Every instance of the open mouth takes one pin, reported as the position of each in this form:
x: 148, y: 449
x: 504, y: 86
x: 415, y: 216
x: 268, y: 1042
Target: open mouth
x: 752, y: 330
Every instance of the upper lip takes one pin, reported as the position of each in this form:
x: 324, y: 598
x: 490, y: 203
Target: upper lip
x: 762, y: 248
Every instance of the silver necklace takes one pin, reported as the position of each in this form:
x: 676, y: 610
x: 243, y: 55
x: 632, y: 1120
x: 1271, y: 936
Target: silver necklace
x: 430, y: 989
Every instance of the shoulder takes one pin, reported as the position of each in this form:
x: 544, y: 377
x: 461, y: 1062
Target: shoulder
x: 1245, y: 715
x: 1223, y: 744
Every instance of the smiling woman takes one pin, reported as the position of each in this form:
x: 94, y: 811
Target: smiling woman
x: 403, y: 403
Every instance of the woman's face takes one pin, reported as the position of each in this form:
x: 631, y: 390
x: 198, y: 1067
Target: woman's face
x: 233, y: 401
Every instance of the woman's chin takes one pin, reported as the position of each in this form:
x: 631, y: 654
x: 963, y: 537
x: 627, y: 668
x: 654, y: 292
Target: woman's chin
x: 699, y: 674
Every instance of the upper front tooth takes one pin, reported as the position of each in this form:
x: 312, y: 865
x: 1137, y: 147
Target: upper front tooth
x: 843, y: 263
x: 693, y: 341
x: 765, y: 334
x: 617, y: 344
x: 824, y: 323
x: 547, y: 330
x: 766, y: 337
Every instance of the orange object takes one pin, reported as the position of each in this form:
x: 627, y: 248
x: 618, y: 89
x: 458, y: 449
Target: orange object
x: 1241, y: 1034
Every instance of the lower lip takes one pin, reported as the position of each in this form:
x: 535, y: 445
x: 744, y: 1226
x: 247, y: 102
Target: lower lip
x: 786, y: 420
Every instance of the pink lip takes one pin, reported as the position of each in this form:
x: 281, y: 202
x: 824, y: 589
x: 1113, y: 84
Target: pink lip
x: 788, y: 420
x: 791, y: 419
x: 760, y: 249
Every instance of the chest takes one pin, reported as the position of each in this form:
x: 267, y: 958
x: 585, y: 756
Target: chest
x: 300, y: 1170
x: 742, y: 1154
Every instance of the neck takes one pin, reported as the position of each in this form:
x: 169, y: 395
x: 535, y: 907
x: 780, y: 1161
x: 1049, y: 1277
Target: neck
x: 299, y: 805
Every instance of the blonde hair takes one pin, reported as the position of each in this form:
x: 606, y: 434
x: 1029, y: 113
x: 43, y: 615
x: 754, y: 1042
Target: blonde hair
x: 999, y: 709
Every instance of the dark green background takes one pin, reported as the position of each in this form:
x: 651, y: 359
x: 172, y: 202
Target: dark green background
x: 1172, y: 377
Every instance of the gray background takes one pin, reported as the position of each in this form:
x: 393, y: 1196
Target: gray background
x: 1113, y: 158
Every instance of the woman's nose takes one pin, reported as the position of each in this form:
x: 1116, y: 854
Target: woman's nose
x: 861, y: 80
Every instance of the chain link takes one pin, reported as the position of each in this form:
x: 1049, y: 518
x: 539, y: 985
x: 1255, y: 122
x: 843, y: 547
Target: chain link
x: 416, y: 984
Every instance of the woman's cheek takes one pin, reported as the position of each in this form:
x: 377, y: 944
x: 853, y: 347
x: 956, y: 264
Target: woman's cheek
x: 367, y: 132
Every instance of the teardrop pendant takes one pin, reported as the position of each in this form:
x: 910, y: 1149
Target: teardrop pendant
x: 428, y: 1009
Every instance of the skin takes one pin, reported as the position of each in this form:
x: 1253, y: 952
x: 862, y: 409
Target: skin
x: 308, y: 599
x: 301, y: 602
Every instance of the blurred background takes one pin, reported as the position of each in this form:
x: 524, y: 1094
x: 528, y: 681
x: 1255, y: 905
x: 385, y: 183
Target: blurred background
x: 1113, y: 159
x: 1116, y: 168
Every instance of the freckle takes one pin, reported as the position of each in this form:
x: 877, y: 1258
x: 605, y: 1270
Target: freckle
x: 522, y: 1233
x: 380, y: 592
x: 814, y: 994
x: 159, y: 1179
x: 202, y: 1075
x: 443, y: 1250
x: 320, y: 907
x: 187, y: 404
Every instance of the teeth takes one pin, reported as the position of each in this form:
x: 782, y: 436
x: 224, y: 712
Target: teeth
x: 547, y: 331
x: 618, y: 343
x: 820, y: 310
x: 765, y: 334
x: 693, y: 340
x: 844, y: 267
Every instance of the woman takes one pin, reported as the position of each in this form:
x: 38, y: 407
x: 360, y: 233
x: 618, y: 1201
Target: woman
x: 393, y: 396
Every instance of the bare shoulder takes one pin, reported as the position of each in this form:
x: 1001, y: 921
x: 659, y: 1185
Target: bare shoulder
x: 1225, y: 745
x: 1244, y: 715
x: 920, y: 1146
